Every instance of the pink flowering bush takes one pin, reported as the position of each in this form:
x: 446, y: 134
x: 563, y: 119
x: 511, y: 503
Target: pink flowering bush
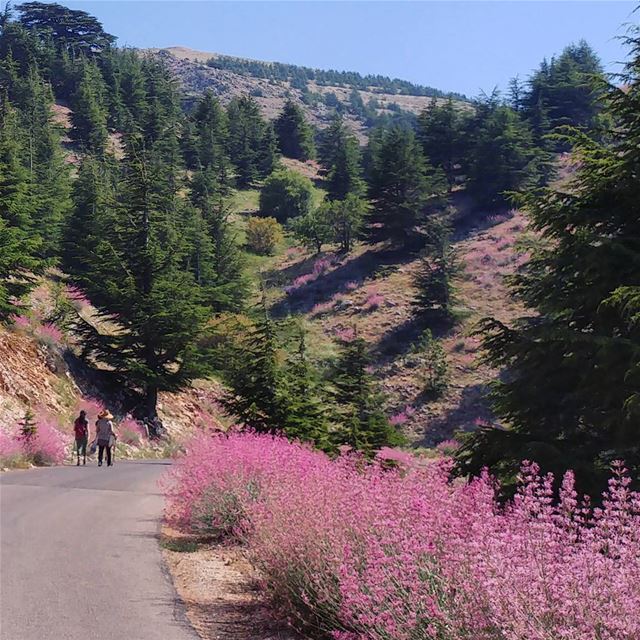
x: 374, y: 301
x: 362, y: 551
x: 22, y: 322
x: 131, y: 432
x: 49, y: 334
x: 320, y: 267
x: 402, y: 417
x: 10, y: 448
x: 448, y: 447
x: 47, y: 445
x: 345, y: 334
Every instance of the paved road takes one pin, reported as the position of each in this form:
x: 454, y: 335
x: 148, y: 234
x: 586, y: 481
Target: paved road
x: 79, y: 558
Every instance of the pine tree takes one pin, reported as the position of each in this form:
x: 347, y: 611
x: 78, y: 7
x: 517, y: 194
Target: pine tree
x: 359, y: 412
x: 28, y: 426
x: 251, y: 143
x: 440, y: 131
x: 433, y: 278
x: 48, y: 170
x: 89, y: 115
x: 400, y: 185
x: 306, y: 407
x: 571, y: 395
x: 18, y: 204
x: 563, y: 90
x: 330, y: 139
x: 211, y: 140
x: 138, y: 284
x: 254, y: 374
x: 345, y: 174
x: 339, y: 152
x: 71, y: 29
x: 18, y: 266
x: 90, y: 218
x: 213, y: 250
x: 295, y: 136
x: 502, y: 156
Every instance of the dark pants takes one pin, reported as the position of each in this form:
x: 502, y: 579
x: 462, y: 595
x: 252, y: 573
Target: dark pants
x: 81, y: 447
x: 102, y: 446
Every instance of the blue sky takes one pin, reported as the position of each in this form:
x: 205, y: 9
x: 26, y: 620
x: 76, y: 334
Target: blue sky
x: 455, y: 46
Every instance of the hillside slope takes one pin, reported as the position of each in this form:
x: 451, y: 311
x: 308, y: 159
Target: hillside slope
x: 195, y: 76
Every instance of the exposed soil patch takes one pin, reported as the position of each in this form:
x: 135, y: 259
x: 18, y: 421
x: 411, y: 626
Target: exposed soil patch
x: 217, y: 586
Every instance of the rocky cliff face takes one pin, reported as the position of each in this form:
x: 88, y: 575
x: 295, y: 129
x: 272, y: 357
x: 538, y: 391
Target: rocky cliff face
x: 47, y: 378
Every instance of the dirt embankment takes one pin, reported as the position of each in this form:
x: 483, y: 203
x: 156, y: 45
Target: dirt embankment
x: 217, y: 587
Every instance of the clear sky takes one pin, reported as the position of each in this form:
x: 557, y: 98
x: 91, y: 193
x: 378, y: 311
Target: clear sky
x: 454, y: 46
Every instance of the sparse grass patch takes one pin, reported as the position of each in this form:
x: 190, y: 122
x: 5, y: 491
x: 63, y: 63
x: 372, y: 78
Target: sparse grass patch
x: 179, y: 545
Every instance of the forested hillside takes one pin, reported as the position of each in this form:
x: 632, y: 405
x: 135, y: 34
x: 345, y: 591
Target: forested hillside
x: 320, y: 264
x: 363, y: 101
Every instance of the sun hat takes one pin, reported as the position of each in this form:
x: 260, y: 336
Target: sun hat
x: 105, y: 413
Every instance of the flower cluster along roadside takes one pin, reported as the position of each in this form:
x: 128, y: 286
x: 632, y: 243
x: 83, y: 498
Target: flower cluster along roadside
x: 393, y: 549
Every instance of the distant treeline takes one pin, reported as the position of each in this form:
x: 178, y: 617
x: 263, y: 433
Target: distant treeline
x: 299, y: 76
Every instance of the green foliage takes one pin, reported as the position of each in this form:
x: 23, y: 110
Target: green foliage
x: 306, y: 416
x: 48, y: 171
x: 18, y: 265
x: 264, y: 235
x: 18, y: 203
x: 433, y: 278
x: 346, y: 218
x: 270, y: 391
x: 571, y: 393
x: 561, y: 92
x: 75, y: 31
x: 252, y: 143
x: 340, y: 153
x: 88, y: 223
x: 137, y: 283
x: 28, y: 425
x: 313, y: 229
x: 89, y: 116
x: 210, y: 140
x: 212, y: 251
x: 286, y: 194
x: 434, y: 368
x: 300, y: 75
x: 358, y: 405
x: 502, y: 157
x: 441, y: 132
x: 401, y: 184
x: 20, y: 245
x: 295, y: 136
x: 254, y: 374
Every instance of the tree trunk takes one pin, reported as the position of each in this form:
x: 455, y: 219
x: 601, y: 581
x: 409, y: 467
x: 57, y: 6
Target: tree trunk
x: 151, y: 401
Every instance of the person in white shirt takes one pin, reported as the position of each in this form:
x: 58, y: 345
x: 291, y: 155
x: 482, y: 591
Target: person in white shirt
x: 104, y: 436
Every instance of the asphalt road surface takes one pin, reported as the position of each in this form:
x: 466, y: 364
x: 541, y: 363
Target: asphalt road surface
x: 79, y: 557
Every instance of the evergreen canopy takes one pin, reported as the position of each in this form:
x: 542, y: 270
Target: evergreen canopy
x: 572, y: 393
x: 75, y: 30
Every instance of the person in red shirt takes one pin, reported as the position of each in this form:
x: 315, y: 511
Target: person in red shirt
x: 81, y: 430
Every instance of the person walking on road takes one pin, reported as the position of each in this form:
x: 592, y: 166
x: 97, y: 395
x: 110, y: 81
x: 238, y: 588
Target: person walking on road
x: 105, y: 435
x: 81, y: 431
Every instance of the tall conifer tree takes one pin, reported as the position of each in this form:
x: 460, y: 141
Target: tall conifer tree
x: 572, y: 395
x: 295, y: 136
